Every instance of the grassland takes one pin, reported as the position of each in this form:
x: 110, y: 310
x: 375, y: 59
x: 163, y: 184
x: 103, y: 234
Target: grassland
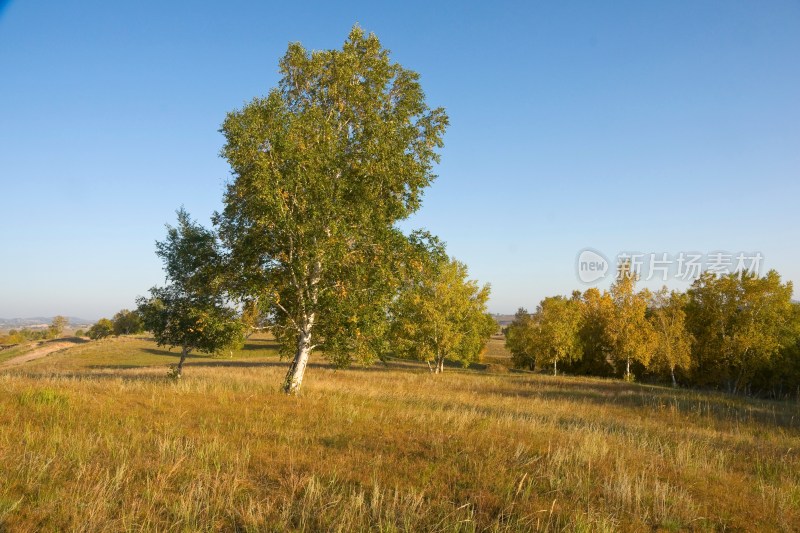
x: 95, y: 438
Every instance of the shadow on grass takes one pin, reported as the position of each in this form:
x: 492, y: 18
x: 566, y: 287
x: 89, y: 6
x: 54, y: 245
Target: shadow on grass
x: 655, y: 398
x: 176, y: 354
x: 259, y: 344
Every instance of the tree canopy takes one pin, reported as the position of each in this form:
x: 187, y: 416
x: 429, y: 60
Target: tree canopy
x: 556, y: 337
x: 323, y: 167
x: 442, y: 316
x: 190, y: 312
x: 630, y: 335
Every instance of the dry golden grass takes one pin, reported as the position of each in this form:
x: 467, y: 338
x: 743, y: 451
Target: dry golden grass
x: 92, y: 440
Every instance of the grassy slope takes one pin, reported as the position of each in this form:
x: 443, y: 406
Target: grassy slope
x: 94, y: 439
x: 15, y: 351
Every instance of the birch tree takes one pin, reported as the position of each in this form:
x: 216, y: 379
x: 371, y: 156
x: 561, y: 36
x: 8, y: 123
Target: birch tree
x: 557, y: 336
x: 630, y: 334
x: 442, y: 317
x: 597, y: 310
x: 519, y: 340
x: 673, y: 343
x: 740, y: 321
x: 323, y: 167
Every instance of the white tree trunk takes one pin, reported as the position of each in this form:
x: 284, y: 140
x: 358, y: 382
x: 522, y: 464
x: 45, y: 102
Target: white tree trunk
x: 294, y: 378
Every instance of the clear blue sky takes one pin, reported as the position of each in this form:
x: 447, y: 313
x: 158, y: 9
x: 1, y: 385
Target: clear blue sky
x: 649, y: 126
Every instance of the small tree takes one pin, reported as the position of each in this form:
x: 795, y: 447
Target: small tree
x: 127, y: 323
x: 101, y: 329
x: 190, y: 312
x: 442, y: 316
x: 673, y: 343
x: 597, y: 309
x: 57, y: 326
x: 519, y: 339
x: 557, y: 336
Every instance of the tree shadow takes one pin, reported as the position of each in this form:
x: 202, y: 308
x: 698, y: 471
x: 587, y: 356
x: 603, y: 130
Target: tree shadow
x: 716, y: 405
x: 259, y: 344
x: 175, y: 354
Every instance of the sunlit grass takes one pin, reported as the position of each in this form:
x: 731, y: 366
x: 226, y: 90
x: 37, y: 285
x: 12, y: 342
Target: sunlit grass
x: 95, y: 439
x: 15, y: 351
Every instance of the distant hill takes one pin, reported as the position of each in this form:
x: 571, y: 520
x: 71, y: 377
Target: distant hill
x: 40, y: 321
x: 503, y: 320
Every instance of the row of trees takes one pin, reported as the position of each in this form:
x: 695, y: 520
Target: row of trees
x: 54, y: 330
x: 738, y: 332
x: 435, y: 313
x: 307, y: 243
x: 125, y: 322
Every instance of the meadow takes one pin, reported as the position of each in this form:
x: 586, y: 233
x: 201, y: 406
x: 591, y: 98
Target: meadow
x: 96, y: 438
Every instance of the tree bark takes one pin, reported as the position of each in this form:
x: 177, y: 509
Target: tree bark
x: 628, y: 369
x: 184, y: 353
x: 672, y: 372
x: 294, y: 377
x: 555, y: 367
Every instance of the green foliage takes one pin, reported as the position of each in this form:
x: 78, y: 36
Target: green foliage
x: 736, y: 332
x: 57, y: 326
x: 630, y: 334
x: 556, y: 337
x: 17, y: 336
x: 740, y: 324
x: 178, y: 320
x: 190, y: 311
x: 549, y: 336
x: 597, y: 309
x: 520, y: 340
x: 673, y: 342
x: 101, y: 329
x: 127, y: 322
x: 324, y: 166
x: 442, y: 316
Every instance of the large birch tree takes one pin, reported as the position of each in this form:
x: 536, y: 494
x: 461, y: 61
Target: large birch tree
x: 323, y: 167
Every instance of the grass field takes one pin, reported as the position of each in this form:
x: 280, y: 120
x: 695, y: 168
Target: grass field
x: 95, y: 438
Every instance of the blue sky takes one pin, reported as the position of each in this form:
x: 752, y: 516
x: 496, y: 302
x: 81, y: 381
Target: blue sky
x: 620, y: 126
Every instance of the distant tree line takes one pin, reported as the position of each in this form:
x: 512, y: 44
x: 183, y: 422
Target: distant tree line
x: 54, y: 330
x: 738, y: 333
x: 433, y: 312
x: 124, y: 322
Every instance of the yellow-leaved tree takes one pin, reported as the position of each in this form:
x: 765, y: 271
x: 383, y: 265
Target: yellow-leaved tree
x: 442, y: 316
x: 630, y: 334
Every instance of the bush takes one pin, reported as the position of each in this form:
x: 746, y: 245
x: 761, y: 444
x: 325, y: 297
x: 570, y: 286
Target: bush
x: 102, y: 329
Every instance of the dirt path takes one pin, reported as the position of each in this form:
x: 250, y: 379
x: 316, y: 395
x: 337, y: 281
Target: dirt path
x: 42, y: 350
